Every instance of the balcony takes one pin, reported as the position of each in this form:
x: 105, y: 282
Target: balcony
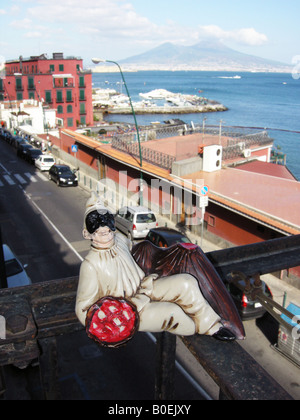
x: 69, y: 85
x: 38, y: 315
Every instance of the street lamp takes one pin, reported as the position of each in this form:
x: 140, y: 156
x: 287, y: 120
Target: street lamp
x: 98, y: 61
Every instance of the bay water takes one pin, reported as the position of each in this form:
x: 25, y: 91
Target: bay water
x: 263, y: 100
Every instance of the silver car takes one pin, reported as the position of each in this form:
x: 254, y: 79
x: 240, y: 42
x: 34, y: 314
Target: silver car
x: 15, y: 272
x: 44, y: 162
x: 135, y: 222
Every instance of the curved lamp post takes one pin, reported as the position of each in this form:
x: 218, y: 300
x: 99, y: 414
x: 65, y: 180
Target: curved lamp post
x: 99, y: 60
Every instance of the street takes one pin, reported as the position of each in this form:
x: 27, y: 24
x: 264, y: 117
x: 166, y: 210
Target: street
x: 43, y: 224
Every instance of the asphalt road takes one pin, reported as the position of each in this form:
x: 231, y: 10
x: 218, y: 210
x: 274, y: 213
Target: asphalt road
x: 42, y: 223
x: 30, y: 207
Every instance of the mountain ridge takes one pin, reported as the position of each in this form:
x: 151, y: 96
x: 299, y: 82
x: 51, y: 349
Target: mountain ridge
x: 201, y: 56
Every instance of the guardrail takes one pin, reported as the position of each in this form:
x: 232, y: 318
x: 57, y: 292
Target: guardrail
x: 35, y: 315
x: 161, y: 159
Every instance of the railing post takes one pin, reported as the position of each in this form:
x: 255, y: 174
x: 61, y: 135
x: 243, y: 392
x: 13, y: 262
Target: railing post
x: 2, y: 382
x: 165, y: 366
x: 48, y: 368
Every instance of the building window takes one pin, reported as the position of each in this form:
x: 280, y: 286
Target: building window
x: 211, y: 221
x: 1, y: 97
x: 70, y: 122
x: 52, y: 68
x: 82, y: 109
x: 60, y: 109
x: 1, y: 84
x: 82, y: 95
x: 19, y: 84
x: 69, y: 96
x: 48, y: 95
x: 19, y: 96
x: 59, y: 96
x: 69, y: 109
x: 81, y: 81
x: 61, y: 67
x: 31, y: 95
x: 30, y: 83
x: 83, y: 120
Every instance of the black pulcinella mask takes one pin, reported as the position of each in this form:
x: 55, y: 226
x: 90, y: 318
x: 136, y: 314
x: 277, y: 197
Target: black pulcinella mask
x: 95, y: 220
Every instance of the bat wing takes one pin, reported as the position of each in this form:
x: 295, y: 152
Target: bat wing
x: 190, y: 259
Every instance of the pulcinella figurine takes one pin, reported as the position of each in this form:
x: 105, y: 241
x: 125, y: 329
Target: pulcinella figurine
x: 148, y: 289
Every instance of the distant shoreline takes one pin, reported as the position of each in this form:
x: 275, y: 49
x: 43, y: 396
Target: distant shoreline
x: 114, y: 69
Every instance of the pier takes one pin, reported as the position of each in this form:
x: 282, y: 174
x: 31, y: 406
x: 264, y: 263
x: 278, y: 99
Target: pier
x: 154, y: 109
x: 159, y: 101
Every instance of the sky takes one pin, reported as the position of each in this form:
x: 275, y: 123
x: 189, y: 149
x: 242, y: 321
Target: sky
x: 118, y: 29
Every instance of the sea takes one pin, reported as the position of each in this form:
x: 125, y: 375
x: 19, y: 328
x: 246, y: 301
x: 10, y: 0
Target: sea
x: 258, y: 100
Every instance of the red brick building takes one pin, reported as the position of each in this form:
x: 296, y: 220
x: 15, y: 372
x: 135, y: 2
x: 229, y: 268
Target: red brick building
x: 60, y: 83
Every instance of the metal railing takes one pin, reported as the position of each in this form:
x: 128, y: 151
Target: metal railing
x: 37, y: 314
x: 149, y: 155
x: 238, y: 139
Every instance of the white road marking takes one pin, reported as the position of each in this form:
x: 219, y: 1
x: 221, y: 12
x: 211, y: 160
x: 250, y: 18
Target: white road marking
x: 30, y: 177
x: 41, y: 176
x: 20, y: 179
x: 9, y: 180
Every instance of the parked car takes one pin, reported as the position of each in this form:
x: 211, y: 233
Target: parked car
x: 7, y: 136
x: 33, y: 155
x: 248, y: 308
x: 17, y: 141
x: 15, y: 272
x: 63, y: 176
x: 44, y: 162
x: 135, y: 222
x: 166, y: 237
x: 22, y: 150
